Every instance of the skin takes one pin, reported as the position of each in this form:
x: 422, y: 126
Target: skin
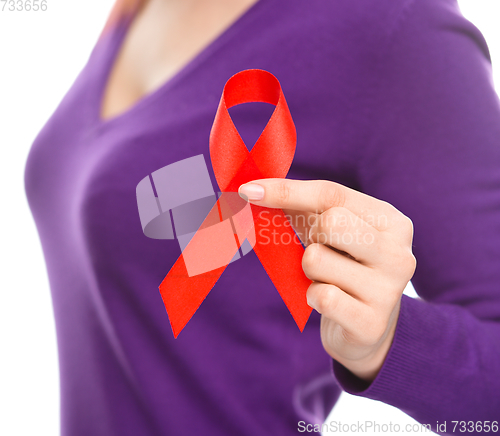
x: 358, y: 256
x: 357, y: 285
x: 164, y: 36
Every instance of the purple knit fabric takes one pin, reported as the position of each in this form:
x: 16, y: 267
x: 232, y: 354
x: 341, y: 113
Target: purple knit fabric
x: 393, y: 98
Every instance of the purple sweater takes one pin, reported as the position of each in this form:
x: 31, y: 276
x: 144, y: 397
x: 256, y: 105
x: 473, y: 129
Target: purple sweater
x: 393, y: 98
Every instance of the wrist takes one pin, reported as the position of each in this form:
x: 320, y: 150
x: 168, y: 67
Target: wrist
x: 369, y: 366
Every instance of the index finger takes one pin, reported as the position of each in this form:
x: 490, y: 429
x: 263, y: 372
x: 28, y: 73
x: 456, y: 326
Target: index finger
x: 316, y: 196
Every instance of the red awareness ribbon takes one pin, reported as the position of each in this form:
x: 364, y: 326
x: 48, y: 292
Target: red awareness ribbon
x: 233, y: 165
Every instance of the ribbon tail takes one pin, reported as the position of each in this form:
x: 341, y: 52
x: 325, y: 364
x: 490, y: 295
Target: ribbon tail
x: 200, y: 265
x: 182, y: 294
x: 280, y: 251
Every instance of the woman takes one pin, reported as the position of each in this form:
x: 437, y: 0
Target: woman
x: 396, y: 117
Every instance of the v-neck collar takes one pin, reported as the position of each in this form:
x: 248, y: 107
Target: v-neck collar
x: 117, y: 37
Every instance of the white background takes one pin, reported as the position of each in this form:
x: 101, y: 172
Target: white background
x: 40, y: 55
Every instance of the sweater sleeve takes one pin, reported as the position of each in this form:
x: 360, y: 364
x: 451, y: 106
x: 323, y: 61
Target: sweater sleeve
x: 434, y: 153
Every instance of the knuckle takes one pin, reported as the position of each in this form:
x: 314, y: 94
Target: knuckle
x: 411, y: 263
x: 407, y: 228
x: 282, y: 192
x: 398, y: 245
x: 406, y: 262
x: 390, y: 214
x: 331, y: 195
x: 403, y: 263
x: 403, y: 226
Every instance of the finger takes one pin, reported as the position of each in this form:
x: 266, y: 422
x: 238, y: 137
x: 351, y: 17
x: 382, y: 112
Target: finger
x: 322, y: 264
x: 317, y: 196
x: 340, y: 228
x: 301, y: 222
x: 336, y: 305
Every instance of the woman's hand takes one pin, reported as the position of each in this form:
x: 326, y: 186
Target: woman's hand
x: 359, y: 257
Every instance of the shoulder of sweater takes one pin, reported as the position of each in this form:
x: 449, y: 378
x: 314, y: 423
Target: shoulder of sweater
x: 372, y: 22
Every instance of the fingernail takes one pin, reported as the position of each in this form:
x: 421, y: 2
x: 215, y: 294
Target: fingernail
x: 251, y: 191
x: 310, y: 302
x: 310, y: 235
x: 312, y: 231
